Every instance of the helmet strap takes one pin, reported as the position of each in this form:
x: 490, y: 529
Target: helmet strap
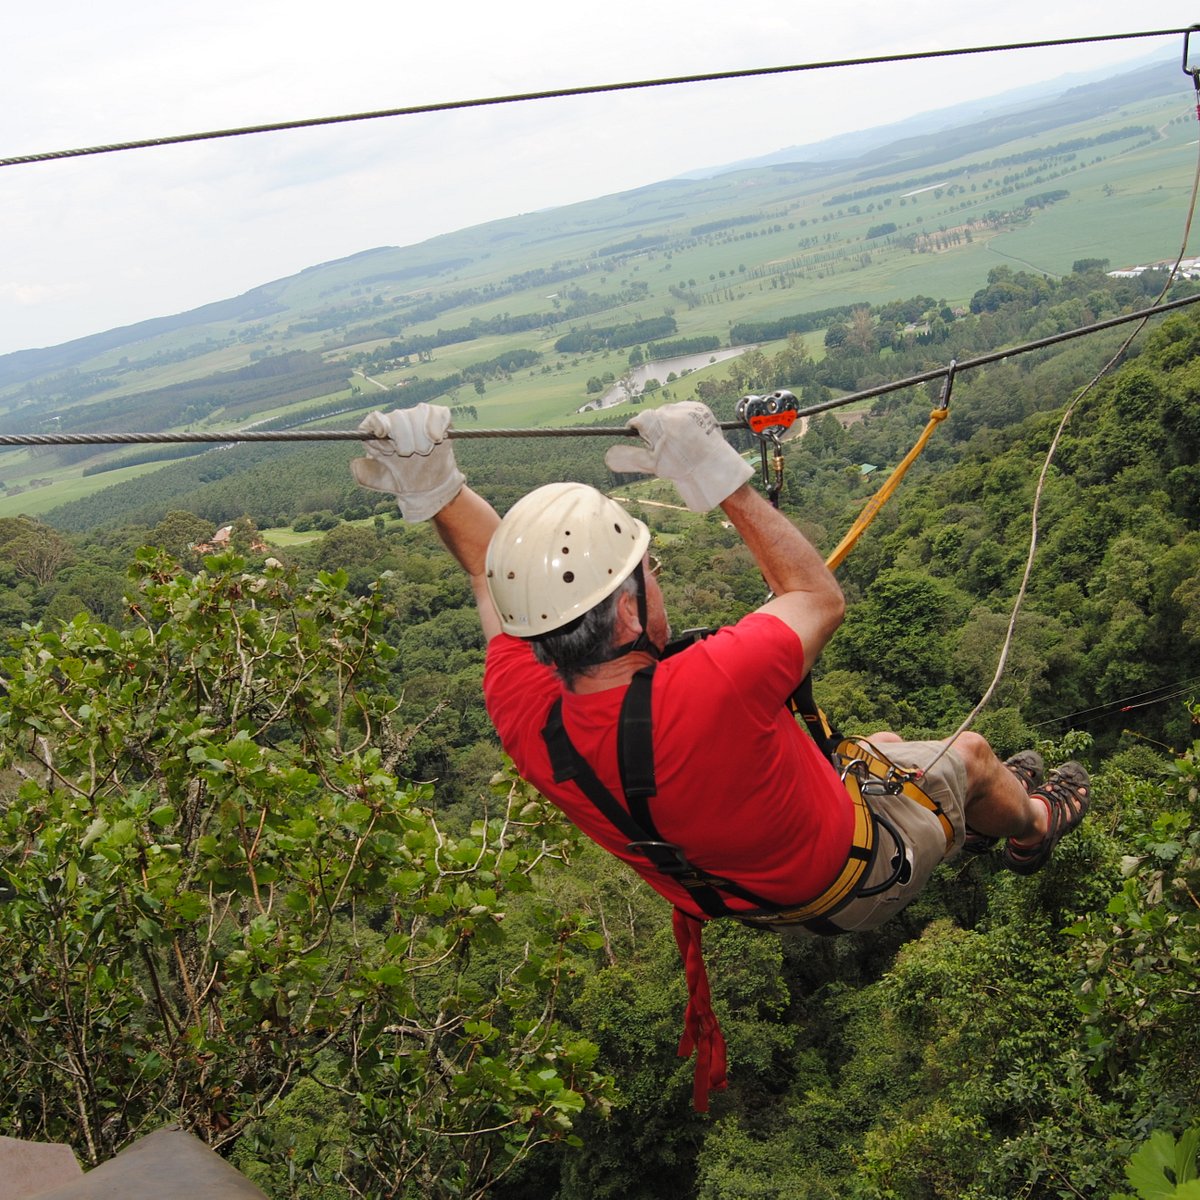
x: 642, y: 642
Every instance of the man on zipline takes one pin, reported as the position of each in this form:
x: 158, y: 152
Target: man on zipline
x: 690, y: 766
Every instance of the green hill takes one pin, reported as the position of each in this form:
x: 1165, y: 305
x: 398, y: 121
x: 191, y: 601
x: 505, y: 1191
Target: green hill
x: 1099, y: 173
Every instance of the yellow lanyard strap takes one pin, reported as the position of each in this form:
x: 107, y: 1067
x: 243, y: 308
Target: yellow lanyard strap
x: 882, y: 496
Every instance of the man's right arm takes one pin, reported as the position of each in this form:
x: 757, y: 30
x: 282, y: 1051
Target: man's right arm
x: 807, y: 597
x: 411, y: 458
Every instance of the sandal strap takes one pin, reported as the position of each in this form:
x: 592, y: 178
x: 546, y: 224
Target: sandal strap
x: 1067, y: 792
x: 1028, y: 767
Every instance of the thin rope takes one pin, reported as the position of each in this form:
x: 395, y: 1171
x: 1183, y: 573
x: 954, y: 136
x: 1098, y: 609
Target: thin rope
x: 585, y: 90
x: 224, y: 437
x: 1041, y: 484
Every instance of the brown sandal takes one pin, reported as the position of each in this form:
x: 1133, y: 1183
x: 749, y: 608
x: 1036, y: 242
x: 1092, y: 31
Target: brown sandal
x: 1068, y: 795
x: 1029, y: 767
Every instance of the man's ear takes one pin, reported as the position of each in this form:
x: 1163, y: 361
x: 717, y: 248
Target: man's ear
x: 628, y: 624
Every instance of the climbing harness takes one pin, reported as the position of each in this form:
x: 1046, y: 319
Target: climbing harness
x: 864, y: 772
x: 877, y: 775
x: 636, y: 759
x: 635, y: 755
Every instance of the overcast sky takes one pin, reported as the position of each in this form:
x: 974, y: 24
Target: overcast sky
x: 91, y: 243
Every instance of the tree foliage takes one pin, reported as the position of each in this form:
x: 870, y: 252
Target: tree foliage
x: 220, y: 891
x: 1001, y: 1037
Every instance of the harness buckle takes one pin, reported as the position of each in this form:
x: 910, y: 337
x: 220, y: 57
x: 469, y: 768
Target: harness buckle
x: 668, y: 859
x: 646, y: 850
x: 868, y: 782
x: 875, y: 774
x: 886, y: 779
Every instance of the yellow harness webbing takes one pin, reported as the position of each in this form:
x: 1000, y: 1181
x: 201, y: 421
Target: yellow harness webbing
x: 844, y: 887
x: 860, y: 763
x: 897, y: 779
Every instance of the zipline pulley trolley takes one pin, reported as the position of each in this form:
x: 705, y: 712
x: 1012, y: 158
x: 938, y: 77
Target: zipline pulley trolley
x: 769, y: 418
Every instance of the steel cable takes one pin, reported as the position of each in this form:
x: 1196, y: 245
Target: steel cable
x: 357, y: 435
x: 584, y: 90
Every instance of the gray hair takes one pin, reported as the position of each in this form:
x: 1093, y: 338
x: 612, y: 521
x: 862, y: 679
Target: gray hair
x: 586, y: 641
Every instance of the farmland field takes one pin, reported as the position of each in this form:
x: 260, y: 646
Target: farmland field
x: 1109, y: 181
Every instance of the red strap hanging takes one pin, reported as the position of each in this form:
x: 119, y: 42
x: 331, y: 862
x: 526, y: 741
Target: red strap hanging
x: 701, y: 1031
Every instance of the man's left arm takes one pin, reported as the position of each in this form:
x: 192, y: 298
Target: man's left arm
x: 466, y: 526
x: 682, y: 442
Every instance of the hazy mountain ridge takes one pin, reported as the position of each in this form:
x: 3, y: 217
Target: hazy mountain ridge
x: 845, y: 149
x: 876, y: 156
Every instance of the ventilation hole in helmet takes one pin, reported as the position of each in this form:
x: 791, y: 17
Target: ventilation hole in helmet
x: 512, y: 575
x: 566, y: 550
x: 568, y: 577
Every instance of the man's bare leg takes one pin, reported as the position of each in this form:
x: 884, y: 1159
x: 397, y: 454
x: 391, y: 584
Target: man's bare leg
x: 997, y: 804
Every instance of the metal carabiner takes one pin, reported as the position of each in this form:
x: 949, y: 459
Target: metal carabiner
x: 948, y: 385
x: 1194, y: 72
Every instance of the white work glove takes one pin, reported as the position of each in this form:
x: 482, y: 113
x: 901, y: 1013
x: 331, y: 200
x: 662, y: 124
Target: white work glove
x: 416, y: 462
x: 683, y: 443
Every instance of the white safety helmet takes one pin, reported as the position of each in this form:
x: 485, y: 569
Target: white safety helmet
x: 557, y: 553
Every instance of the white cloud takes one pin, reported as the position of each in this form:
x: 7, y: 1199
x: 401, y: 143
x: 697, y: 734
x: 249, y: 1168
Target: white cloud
x: 30, y: 295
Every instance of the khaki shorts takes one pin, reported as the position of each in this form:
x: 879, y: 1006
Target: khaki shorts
x: 945, y: 782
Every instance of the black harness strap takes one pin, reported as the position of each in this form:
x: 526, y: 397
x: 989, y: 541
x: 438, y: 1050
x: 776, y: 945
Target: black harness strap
x: 636, y: 767
x: 635, y: 760
x: 637, y: 779
x: 861, y: 772
x: 803, y: 702
x: 635, y: 749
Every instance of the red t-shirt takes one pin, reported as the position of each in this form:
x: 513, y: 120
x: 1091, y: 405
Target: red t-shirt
x: 742, y: 788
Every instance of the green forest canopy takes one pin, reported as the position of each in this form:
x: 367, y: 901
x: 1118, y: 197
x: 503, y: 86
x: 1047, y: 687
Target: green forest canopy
x: 228, y: 892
